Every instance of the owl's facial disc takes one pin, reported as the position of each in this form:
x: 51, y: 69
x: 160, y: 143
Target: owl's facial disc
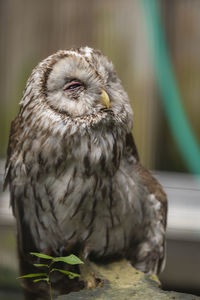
x: 75, y: 88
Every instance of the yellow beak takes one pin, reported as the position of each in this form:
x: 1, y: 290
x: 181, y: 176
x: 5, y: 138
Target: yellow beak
x: 104, y: 99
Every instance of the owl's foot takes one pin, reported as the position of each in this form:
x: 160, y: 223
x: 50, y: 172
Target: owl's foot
x: 88, y: 275
x: 91, y: 280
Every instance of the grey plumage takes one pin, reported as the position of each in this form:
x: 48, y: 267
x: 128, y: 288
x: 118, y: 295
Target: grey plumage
x: 73, y: 168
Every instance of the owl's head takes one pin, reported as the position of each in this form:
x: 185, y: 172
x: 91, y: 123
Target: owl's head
x: 77, y: 84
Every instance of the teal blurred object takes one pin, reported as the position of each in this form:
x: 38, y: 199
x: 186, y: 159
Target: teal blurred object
x: 170, y: 96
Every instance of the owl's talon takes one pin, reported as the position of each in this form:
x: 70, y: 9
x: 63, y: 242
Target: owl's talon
x: 93, y: 282
x: 87, y: 273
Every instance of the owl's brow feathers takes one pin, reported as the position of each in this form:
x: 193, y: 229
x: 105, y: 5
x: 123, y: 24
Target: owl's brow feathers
x: 49, y: 69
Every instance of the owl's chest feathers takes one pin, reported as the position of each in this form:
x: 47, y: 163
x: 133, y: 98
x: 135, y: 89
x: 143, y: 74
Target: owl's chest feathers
x: 98, y: 154
x: 81, y: 181
x: 91, y: 152
x: 78, y: 189
x: 87, y: 209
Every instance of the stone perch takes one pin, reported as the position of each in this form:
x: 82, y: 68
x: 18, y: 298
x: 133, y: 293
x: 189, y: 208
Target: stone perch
x: 123, y: 282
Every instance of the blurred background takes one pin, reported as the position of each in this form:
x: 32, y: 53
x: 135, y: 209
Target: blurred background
x: 125, y: 31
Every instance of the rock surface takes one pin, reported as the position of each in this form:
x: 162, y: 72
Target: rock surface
x: 123, y: 282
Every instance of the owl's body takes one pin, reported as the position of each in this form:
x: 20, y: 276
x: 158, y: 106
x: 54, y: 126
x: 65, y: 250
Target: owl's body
x: 73, y: 169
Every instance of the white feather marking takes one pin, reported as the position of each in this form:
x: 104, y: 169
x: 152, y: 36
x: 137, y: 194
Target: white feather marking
x: 155, y: 202
x: 87, y: 51
x: 74, y: 53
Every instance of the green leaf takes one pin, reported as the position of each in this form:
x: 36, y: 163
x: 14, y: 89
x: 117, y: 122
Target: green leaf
x: 40, y: 265
x: 41, y: 279
x: 41, y: 255
x: 32, y: 275
x: 71, y: 260
x: 70, y: 274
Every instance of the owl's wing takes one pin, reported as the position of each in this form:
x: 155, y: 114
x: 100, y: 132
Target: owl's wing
x: 12, y: 142
x: 131, y: 148
x: 146, y: 179
x: 25, y: 240
x: 155, y: 189
x: 150, y: 254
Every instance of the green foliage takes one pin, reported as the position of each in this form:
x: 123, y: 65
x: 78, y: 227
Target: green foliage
x: 71, y: 260
x: 70, y: 274
x: 45, y: 276
x: 32, y: 275
x: 40, y: 255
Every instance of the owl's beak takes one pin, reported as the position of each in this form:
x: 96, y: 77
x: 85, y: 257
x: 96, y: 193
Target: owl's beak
x: 104, y: 99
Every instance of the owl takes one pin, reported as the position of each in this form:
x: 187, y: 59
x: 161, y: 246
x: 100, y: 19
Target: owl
x: 76, y: 183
